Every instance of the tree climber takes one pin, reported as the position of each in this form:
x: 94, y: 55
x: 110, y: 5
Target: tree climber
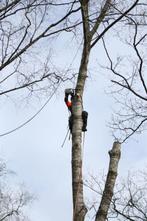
x: 69, y: 95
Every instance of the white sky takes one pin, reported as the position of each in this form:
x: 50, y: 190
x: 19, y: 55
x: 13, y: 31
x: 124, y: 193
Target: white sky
x: 35, y: 154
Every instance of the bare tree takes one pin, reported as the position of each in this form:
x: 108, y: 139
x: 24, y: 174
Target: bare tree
x: 24, y: 24
x: 130, y: 88
x: 129, y: 200
x: 93, y: 32
x: 12, y: 201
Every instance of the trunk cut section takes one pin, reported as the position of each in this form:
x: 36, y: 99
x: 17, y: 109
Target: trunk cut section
x: 114, y: 154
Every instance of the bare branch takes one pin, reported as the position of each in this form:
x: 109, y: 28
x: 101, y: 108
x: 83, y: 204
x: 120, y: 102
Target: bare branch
x: 113, y: 23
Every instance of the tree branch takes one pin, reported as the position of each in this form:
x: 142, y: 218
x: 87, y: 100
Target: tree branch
x: 113, y: 23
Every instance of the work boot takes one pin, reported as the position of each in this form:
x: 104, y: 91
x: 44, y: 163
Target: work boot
x: 84, y: 129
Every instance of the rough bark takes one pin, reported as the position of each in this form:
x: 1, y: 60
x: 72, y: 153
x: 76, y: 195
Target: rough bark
x: 79, y: 207
x: 114, y: 154
x: 78, y: 201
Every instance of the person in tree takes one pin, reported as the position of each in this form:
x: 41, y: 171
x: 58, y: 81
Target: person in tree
x: 69, y: 95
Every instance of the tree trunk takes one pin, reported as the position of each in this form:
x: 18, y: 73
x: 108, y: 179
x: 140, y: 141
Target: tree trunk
x: 114, y: 153
x: 79, y: 208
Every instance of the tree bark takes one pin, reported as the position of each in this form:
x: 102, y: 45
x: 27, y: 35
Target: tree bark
x: 114, y: 154
x: 79, y: 208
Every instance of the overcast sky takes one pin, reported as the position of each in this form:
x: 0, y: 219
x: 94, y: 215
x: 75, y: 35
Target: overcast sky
x: 35, y: 154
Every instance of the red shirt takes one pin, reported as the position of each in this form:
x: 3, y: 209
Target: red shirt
x: 69, y: 104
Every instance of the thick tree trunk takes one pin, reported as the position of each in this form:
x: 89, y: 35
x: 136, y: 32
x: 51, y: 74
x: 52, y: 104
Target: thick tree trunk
x: 114, y: 153
x: 79, y: 208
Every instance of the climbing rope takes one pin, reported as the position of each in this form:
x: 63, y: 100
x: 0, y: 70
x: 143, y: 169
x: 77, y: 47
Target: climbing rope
x: 65, y: 138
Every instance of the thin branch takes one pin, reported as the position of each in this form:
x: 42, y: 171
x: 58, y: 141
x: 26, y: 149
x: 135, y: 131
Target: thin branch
x: 135, y: 130
x: 113, y: 23
x: 100, y: 18
x: 127, y: 86
x: 32, y: 83
x: 32, y: 42
x: 139, y: 56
